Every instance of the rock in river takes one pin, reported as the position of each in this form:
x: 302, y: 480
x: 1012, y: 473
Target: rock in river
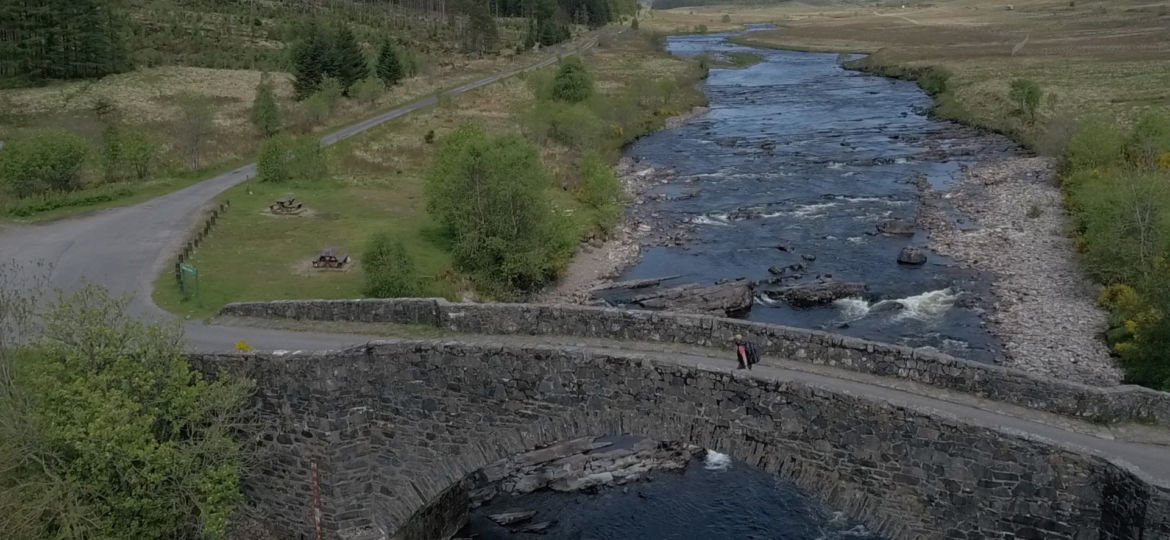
x: 911, y: 255
x: 724, y: 299
x: 896, y: 227
x: 510, y: 518
x: 817, y: 294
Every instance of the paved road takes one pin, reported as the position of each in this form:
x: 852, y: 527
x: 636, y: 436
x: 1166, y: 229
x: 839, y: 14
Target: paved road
x: 125, y: 249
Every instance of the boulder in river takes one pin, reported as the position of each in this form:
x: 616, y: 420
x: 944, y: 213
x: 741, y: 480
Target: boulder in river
x: 817, y: 294
x: 896, y: 227
x: 911, y: 255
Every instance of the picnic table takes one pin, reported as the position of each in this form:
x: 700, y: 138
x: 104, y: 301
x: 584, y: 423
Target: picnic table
x: 330, y: 257
x: 285, y: 205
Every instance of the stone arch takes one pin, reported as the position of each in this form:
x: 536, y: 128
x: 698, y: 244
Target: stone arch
x: 393, y: 425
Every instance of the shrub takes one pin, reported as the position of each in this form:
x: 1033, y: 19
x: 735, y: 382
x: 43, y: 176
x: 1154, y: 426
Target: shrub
x: 600, y: 191
x: 572, y: 82
x: 726, y: 18
x: 1026, y: 94
x: 389, y: 270
x: 368, y: 90
x: 1095, y: 143
x: 107, y: 432
x: 429, y: 137
x: 1125, y: 217
x: 1150, y: 139
x: 934, y: 80
x: 489, y: 194
x: 127, y: 152
x: 42, y: 162
x: 323, y: 102
x: 139, y: 152
x: 573, y: 125
x: 284, y: 158
x: 634, y: 24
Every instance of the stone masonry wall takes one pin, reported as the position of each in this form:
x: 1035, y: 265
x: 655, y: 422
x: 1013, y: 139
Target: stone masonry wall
x: 1112, y: 404
x: 393, y: 426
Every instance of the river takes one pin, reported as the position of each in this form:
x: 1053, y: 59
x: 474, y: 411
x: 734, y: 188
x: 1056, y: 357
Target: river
x: 800, y: 153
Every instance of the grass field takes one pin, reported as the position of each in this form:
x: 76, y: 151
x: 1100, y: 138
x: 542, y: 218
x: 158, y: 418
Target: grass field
x: 1089, y: 57
x: 377, y: 185
x: 183, y: 37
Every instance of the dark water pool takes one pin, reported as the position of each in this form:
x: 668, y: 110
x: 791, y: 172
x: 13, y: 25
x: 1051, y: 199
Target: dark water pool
x: 713, y: 498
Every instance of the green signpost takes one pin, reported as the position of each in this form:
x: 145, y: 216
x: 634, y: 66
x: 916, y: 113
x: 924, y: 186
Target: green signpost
x: 186, y: 270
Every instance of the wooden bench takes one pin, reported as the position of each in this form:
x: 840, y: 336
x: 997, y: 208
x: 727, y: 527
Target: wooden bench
x: 330, y: 258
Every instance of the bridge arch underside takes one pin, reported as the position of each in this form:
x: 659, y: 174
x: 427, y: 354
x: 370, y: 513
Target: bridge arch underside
x: 390, y: 428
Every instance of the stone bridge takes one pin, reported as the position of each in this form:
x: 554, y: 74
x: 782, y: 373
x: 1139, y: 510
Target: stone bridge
x: 385, y: 434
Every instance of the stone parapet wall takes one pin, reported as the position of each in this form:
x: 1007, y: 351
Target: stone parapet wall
x: 394, y: 428
x: 1100, y: 404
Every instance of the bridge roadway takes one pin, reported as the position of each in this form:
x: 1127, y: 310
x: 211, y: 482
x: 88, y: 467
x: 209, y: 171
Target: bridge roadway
x: 1144, y: 447
x: 124, y: 249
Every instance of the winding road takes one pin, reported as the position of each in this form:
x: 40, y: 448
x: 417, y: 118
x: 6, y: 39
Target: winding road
x: 125, y: 249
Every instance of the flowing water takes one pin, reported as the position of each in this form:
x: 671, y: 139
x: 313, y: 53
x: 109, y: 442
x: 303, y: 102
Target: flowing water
x: 799, y: 152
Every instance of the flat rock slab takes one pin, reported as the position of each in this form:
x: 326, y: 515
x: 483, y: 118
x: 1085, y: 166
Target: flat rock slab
x: 510, y: 518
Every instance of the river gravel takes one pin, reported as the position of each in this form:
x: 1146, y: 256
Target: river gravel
x: 1044, y: 310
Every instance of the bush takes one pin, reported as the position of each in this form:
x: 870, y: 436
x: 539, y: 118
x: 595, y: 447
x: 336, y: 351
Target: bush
x: 139, y: 152
x: 390, y: 272
x: 323, y: 102
x: 284, y: 158
x: 600, y: 191
x: 726, y: 18
x: 1095, y: 143
x: 42, y: 162
x: 572, y: 82
x: 934, y: 80
x: 634, y: 24
x: 1150, y: 139
x: 368, y: 90
x: 107, y: 432
x: 1026, y: 94
x: 127, y: 152
x: 573, y: 125
x: 489, y: 194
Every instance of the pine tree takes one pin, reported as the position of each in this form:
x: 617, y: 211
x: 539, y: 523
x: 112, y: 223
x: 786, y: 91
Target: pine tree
x: 310, y: 60
x: 347, y: 63
x: 265, y: 110
x: 482, y: 33
x: 389, y: 66
x: 61, y: 39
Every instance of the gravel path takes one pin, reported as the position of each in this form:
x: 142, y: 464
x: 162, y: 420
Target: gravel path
x: 1044, y: 310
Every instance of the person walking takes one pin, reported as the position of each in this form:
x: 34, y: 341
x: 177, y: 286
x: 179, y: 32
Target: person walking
x: 745, y: 352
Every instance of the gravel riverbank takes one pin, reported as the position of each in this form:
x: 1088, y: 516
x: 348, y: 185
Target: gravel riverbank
x: 1044, y: 310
